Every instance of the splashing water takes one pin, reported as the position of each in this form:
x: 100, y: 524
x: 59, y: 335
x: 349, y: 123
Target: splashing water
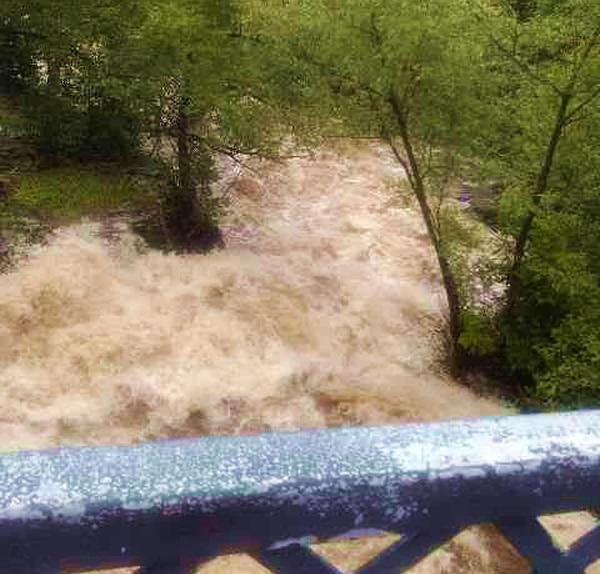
x: 325, y: 308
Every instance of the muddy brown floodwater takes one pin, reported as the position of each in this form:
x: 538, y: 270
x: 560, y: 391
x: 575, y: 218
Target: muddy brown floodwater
x: 325, y: 309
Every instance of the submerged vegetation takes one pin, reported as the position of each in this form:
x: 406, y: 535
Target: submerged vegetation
x: 493, y: 104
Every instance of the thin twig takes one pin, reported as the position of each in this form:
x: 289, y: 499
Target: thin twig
x: 510, y: 53
x: 571, y: 115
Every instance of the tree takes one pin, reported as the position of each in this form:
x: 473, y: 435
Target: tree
x: 17, y: 67
x: 209, y: 85
x: 548, y: 104
x: 392, y: 68
x: 184, y: 72
x: 556, y: 53
x: 69, y: 90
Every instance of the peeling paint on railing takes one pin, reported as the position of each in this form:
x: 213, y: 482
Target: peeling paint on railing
x: 197, y: 498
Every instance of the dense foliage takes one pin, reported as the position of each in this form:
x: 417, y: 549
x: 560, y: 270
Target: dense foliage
x: 494, y: 94
x: 546, y: 63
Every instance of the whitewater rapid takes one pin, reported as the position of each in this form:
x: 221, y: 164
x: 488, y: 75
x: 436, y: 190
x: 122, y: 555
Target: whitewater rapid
x: 324, y: 309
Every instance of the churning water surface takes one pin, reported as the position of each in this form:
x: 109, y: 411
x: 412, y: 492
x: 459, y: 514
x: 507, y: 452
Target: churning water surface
x: 325, y: 308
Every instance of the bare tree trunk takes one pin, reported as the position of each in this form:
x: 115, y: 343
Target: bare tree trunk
x: 183, y: 205
x: 190, y: 214
x: 184, y: 160
x: 418, y: 186
x: 514, y: 275
x: 562, y: 118
x: 53, y: 63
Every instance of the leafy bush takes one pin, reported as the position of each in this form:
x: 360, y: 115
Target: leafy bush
x: 103, y: 130
x: 478, y: 334
x: 553, y: 342
x: 17, y: 66
x: 60, y: 125
x: 112, y: 131
x: 571, y: 377
x: 512, y: 208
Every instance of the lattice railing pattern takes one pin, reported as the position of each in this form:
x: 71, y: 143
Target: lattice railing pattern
x: 170, y: 505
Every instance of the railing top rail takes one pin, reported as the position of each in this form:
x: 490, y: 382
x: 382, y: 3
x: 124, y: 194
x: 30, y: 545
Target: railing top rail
x: 216, y: 493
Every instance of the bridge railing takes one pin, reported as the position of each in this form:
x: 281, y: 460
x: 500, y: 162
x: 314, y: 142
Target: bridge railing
x: 168, y: 506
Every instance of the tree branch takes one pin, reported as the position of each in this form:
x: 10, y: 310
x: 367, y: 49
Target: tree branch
x: 512, y: 56
x: 584, y: 56
x: 401, y: 160
x: 571, y: 115
x: 524, y: 67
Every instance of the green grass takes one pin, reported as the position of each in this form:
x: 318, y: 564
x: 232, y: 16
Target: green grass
x: 69, y: 193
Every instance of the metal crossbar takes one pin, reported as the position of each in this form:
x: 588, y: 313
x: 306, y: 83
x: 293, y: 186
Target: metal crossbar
x: 170, y: 505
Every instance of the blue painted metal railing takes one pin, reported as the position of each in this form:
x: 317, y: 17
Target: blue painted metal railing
x: 170, y: 505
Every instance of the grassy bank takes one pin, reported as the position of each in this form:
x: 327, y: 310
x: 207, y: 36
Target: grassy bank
x: 71, y: 193
x: 34, y: 203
